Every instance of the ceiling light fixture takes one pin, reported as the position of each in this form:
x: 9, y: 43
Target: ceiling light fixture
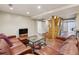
x: 28, y: 12
x: 10, y: 6
x: 38, y: 7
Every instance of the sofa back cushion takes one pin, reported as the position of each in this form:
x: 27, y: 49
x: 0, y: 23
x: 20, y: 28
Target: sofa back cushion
x: 4, y: 48
x: 2, y: 36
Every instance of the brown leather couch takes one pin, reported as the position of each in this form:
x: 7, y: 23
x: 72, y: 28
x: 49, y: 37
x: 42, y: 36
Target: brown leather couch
x: 4, y: 48
x: 17, y: 48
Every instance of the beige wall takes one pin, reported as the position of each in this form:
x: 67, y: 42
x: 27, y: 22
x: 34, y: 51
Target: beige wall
x: 77, y: 22
x: 10, y: 23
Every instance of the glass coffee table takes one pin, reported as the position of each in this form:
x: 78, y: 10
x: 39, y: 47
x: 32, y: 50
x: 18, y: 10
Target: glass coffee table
x: 36, y: 41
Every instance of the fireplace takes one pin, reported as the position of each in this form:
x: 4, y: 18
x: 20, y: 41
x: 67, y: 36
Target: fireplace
x: 23, y: 35
x: 23, y: 31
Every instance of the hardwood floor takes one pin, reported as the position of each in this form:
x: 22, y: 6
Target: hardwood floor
x: 52, y: 48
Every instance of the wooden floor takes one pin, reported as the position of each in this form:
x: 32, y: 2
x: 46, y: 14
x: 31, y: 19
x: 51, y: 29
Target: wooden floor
x: 52, y: 48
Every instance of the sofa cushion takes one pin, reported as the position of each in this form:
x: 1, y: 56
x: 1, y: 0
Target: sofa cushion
x: 4, y: 48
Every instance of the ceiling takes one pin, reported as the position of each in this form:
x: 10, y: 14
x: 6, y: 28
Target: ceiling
x: 45, y: 11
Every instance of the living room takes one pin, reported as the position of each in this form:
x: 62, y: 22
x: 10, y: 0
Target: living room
x: 33, y: 28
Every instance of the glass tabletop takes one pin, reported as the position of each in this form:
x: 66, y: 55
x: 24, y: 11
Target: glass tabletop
x: 35, y: 38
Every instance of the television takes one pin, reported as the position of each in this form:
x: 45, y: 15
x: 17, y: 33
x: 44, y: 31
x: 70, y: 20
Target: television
x: 23, y: 31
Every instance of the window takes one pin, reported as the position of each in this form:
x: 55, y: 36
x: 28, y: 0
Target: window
x: 68, y: 27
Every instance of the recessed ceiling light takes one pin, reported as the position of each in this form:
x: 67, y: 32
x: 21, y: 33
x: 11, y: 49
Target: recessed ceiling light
x: 11, y: 8
x: 38, y: 7
x: 28, y: 12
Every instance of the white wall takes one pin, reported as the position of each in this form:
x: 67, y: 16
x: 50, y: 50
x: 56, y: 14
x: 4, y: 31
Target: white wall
x: 41, y: 27
x: 10, y: 23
